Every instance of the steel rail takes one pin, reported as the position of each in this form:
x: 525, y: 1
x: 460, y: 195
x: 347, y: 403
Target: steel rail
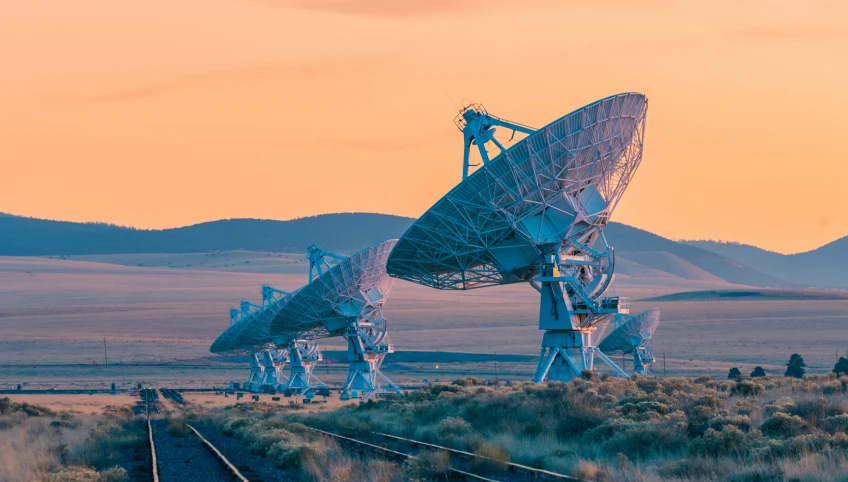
x: 512, y: 467
x: 153, y: 462
x: 226, y: 463
x: 394, y: 454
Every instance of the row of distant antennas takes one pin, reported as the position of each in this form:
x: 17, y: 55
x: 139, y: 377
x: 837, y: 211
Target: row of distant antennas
x: 319, y: 262
x: 478, y: 127
x: 246, y: 308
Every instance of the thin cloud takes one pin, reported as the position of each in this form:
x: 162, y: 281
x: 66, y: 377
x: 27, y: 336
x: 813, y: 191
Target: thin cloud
x: 225, y: 76
x: 770, y: 33
x: 404, y: 8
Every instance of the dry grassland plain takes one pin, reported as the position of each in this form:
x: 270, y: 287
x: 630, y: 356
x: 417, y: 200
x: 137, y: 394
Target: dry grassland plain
x: 159, y: 314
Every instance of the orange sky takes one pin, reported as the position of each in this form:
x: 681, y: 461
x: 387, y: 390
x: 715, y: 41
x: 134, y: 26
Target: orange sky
x: 161, y: 113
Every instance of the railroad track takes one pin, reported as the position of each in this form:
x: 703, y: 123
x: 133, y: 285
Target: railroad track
x: 179, y: 452
x: 530, y: 472
x: 400, y: 456
x: 516, y: 471
x: 173, y: 396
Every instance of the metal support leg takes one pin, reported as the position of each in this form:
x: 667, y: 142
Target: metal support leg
x: 612, y: 365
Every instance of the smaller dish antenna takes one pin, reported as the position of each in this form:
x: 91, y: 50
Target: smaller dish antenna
x: 632, y: 335
x: 344, y: 297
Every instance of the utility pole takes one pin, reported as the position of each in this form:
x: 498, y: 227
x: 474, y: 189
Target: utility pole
x: 105, y: 355
x: 497, y: 381
x: 663, y: 364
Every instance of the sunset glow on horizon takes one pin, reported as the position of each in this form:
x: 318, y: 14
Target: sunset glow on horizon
x: 160, y: 113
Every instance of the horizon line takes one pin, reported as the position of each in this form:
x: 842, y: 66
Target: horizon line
x: 104, y: 223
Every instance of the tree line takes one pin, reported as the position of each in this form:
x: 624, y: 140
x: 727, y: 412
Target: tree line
x: 795, y: 368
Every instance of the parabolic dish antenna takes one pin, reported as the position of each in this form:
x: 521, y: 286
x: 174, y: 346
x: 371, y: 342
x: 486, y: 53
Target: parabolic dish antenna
x: 632, y: 335
x: 248, y: 332
x: 345, y: 299
x: 248, y: 329
x: 535, y: 213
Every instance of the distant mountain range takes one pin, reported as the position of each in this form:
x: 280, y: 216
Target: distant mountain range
x: 639, y: 254
x: 21, y: 236
x: 825, y: 267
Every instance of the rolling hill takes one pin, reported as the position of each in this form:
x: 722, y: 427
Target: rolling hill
x: 641, y: 255
x: 634, y: 244
x: 344, y: 232
x: 737, y: 295
x: 824, y: 267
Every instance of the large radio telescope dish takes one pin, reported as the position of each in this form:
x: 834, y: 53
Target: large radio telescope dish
x: 354, y: 287
x: 535, y: 213
x: 549, y: 189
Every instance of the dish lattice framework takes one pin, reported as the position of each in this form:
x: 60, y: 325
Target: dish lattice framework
x: 248, y: 330
x: 496, y: 227
x: 355, y: 287
x: 632, y: 335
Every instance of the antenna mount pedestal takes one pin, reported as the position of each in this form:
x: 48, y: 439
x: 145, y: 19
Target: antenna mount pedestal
x: 366, y: 350
x: 303, y: 356
x: 266, y: 370
x: 570, y: 322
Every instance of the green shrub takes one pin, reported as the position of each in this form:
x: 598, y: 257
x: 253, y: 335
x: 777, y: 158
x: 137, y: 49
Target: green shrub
x: 641, y: 408
x: 765, y: 473
x: 429, y: 465
x: 742, y: 422
x: 291, y: 453
x: 835, y: 424
x: 783, y: 405
x: 440, y: 388
x: 747, y: 388
x: 783, y: 425
x: 815, y: 409
x: 453, y: 426
x: 230, y: 425
x: 642, y: 438
x: 730, y: 440
x: 468, y: 382
x: 177, y: 428
x: 86, y: 474
x: 493, y: 459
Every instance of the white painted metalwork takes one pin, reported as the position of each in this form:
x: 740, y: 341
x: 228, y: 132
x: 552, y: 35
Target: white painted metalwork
x: 303, y: 356
x: 535, y: 214
x: 344, y: 298
x: 632, y: 335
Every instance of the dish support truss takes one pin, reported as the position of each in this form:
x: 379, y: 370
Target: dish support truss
x: 572, y: 310
x: 368, y: 344
x: 478, y: 127
x: 303, y: 356
x: 266, y: 370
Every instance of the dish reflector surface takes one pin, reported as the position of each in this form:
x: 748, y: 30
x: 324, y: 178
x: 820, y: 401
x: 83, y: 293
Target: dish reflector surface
x: 495, y: 227
x: 633, y: 333
x: 250, y: 332
x: 353, y: 287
